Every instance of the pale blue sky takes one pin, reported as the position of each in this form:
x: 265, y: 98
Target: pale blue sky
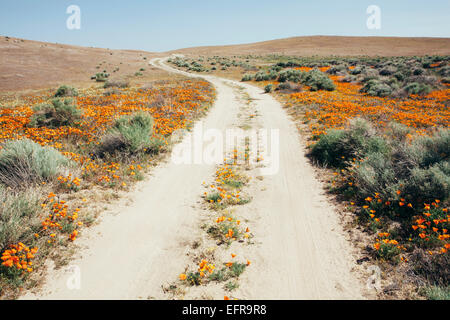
x: 171, y: 24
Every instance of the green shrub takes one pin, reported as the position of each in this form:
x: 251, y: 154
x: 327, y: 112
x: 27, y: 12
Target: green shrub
x: 101, y: 77
x: 339, y: 146
x: 388, y: 70
x: 55, y: 114
x: 444, y: 71
x: 376, y: 174
x: 130, y: 134
x: 375, y: 87
x: 391, y: 162
x: 18, y: 216
x: 437, y: 293
x: 417, y: 88
x: 318, y: 80
x: 24, y: 161
x: 337, y: 69
x: 431, y: 183
x: 290, y: 75
x: 268, y: 88
x: 66, y: 91
x: 247, y: 77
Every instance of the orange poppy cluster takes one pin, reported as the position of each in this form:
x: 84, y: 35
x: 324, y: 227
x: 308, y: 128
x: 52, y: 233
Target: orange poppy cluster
x: 232, y: 230
x: 69, y: 182
x: 173, y: 106
x: 325, y: 109
x: 59, y: 217
x: 19, y: 256
x: 433, y: 224
x: 224, y: 174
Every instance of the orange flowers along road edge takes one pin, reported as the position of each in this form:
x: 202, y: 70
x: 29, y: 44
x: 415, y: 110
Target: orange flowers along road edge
x: 67, y: 201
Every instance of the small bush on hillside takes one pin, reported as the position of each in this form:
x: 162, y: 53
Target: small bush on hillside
x: 55, y: 114
x: 247, y: 77
x: 101, y: 77
x: 24, y: 162
x: 66, y: 91
x: 130, y: 134
x: 318, y: 80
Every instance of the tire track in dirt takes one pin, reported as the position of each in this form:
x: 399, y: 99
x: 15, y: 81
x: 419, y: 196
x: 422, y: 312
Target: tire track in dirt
x: 143, y: 243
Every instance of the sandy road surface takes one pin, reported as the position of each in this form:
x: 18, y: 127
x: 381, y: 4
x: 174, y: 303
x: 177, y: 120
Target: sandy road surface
x: 302, y: 253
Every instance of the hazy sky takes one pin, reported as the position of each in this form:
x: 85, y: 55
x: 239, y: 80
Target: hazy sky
x: 171, y: 24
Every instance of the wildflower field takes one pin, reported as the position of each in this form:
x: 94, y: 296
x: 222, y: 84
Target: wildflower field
x: 57, y: 151
x: 382, y: 130
x: 379, y: 128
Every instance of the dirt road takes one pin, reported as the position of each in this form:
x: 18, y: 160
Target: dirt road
x: 142, y: 244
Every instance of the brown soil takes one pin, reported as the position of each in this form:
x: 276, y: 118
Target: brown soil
x: 26, y: 64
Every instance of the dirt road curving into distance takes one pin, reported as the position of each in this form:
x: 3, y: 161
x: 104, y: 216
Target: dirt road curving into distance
x: 142, y: 242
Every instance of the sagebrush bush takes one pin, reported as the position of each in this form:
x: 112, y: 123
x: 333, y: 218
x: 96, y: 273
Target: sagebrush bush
x: 247, y: 77
x: 318, y: 80
x: 55, y: 114
x: 390, y: 162
x: 24, y: 162
x: 268, y: 88
x: 388, y: 70
x: 444, y: 71
x: 339, y: 146
x: 130, y: 134
x: 375, y: 87
x: 290, y: 75
x: 66, y: 91
x: 337, y: 69
x: 18, y: 216
x: 417, y: 88
x: 100, y: 77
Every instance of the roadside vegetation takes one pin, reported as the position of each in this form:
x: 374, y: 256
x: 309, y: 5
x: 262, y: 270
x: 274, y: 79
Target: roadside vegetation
x: 384, y: 134
x: 379, y: 126
x: 67, y: 149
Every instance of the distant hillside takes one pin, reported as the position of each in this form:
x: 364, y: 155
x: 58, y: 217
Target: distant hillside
x: 26, y: 64
x: 333, y: 45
